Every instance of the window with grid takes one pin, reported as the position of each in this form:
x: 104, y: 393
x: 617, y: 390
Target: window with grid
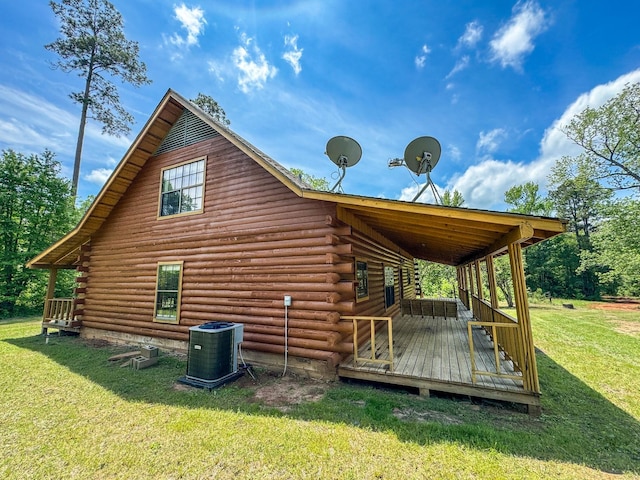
x: 168, y: 290
x: 362, y: 281
x: 182, y: 188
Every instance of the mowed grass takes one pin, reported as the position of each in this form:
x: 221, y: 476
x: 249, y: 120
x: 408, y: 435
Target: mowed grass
x: 66, y: 412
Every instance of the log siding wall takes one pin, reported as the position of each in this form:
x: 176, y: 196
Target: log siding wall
x: 255, y: 242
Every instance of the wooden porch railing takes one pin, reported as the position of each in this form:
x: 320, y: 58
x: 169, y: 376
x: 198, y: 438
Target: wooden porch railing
x: 431, y: 307
x: 463, y: 295
x: 372, y: 327
x: 506, y: 335
x: 59, y: 311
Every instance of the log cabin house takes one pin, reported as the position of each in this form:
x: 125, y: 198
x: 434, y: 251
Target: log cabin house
x: 197, y: 225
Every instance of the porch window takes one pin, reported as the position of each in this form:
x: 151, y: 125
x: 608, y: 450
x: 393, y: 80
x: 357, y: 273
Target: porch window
x: 182, y: 188
x: 362, y: 281
x: 389, y: 287
x: 168, y: 290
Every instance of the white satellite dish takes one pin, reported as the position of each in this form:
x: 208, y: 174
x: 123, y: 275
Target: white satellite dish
x: 344, y: 152
x: 421, y: 156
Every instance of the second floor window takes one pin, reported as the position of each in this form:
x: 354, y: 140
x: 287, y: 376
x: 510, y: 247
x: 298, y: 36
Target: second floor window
x: 182, y: 188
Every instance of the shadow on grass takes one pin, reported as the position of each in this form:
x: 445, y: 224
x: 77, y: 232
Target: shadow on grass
x: 578, y: 425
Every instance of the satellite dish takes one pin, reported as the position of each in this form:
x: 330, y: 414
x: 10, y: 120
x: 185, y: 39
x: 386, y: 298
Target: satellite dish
x: 422, y: 155
x: 344, y: 152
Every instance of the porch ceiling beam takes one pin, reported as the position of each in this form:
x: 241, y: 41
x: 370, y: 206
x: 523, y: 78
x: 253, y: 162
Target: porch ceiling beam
x: 518, y: 234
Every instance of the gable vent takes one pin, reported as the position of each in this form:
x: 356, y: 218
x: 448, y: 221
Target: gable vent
x: 187, y: 130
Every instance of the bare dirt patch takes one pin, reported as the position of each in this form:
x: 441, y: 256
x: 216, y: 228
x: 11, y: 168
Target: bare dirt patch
x: 621, y: 305
x: 618, y: 304
x: 273, y: 390
x: 284, y: 392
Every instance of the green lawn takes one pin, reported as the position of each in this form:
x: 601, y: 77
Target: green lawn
x: 66, y: 412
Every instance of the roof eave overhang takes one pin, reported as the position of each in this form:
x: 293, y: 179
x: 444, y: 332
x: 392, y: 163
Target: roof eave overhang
x: 517, y: 228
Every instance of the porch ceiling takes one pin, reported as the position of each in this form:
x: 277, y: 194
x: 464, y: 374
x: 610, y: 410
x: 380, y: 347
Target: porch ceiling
x: 447, y: 235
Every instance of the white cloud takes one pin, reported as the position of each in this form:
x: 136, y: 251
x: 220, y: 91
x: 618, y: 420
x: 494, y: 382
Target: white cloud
x: 422, y: 57
x: 254, y: 68
x: 220, y: 70
x: 293, y: 55
x: 38, y: 124
x: 514, y: 40
x: 408, y: 193
x: 490, y: 141
x: 99, y: 175
x: 483, y: 185
x: 192, y: 20
x: 454, y: 152
x: 472, y: 35
x: 460, y: 65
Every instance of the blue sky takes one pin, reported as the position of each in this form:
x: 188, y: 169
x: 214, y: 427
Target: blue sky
x: 492, y: 81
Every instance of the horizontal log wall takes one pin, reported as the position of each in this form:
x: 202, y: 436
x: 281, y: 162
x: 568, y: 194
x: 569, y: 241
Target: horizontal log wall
x: 255, y: 242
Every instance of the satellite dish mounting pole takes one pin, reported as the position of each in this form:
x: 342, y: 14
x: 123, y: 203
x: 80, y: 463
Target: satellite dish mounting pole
x: 343, y: 167
x: 424, y: 163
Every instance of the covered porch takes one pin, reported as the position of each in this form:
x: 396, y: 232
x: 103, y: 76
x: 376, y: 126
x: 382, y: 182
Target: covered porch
x: 432, y: 351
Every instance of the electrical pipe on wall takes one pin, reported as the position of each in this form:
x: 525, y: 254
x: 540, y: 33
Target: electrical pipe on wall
x: 287, y: 304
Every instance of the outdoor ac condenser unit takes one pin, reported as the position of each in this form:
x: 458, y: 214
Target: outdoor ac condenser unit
x: 213, y: 353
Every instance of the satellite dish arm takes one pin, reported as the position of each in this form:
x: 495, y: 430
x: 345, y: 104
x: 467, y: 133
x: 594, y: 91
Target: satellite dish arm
x: 421, y: 191
x: 344, y: 171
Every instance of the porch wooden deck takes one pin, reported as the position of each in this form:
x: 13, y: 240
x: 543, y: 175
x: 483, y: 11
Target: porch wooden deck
x: 432, y: 354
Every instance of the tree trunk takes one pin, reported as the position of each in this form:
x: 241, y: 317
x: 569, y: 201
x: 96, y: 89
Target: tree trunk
x: 83, y: 122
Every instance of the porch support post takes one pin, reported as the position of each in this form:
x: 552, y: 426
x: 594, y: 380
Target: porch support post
x: 51, y: 289
x: 493, y: 286
x: 530, y: 368
x: 478, y: 279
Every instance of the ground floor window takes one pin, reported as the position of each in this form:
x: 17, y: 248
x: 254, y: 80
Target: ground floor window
x: 168, y: 290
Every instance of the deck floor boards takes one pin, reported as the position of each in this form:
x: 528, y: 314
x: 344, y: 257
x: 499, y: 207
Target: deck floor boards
x: 435, y: 349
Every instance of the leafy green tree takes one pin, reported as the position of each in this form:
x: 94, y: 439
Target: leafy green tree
x: 211, y: 108
x: 577, y: 196
x: 610, y: 137
x: 317, y: 183
x: 437, y: 280
x: 93, y: 44
x: 36, y: 208
x: 616, y: 249
x: 551, y: 267
x: 452, y: 199
x: 526, y: 199
x: 503, y: 278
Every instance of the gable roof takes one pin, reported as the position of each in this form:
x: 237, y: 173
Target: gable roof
x: 442, y: 234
